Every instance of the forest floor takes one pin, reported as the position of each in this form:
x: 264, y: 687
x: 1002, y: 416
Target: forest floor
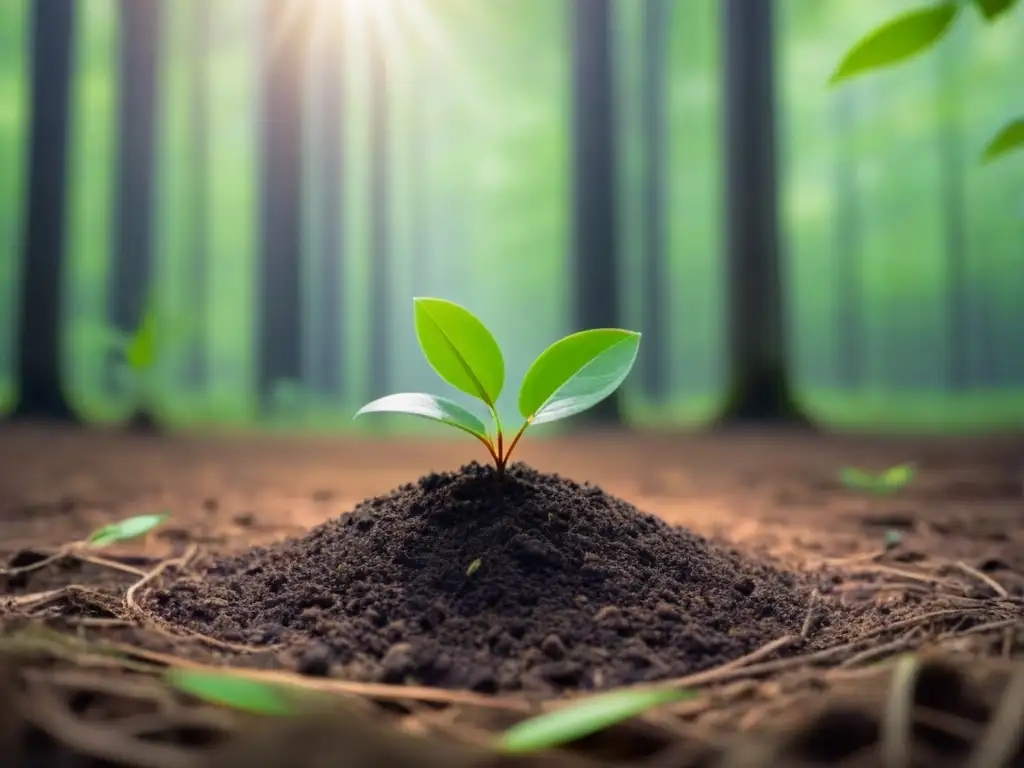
x: 787, y: 602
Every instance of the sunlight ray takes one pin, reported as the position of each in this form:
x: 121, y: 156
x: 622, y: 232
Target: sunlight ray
x: 287, y: 21
x: 443, y: 51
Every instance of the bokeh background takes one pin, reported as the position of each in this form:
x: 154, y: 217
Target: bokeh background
x: 279, y: 179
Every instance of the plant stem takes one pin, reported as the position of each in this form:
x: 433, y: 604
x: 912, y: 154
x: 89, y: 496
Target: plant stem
x: 499, y: 458
x: 519, y: 434
x: 490, y: 448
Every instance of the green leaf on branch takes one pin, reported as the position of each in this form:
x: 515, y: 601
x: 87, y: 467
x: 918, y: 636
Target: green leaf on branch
x: 428, y: 407
x: 131, y: 528
x: 993, y: 9
x: 576, y: 373
x: 897, y: 40
x: 589, y: 716
x: 1009, y: 139
x: 460, y: 348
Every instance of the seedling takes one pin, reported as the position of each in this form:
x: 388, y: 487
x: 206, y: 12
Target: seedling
x: 893, y: 539
x: 886, y: 483
x: 237, y: 692
x: 587, y: 717
x: 571, y: 722
x: 569, y: 377
x: 131, y: 528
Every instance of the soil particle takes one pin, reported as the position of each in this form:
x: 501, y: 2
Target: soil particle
x: 574, y: 589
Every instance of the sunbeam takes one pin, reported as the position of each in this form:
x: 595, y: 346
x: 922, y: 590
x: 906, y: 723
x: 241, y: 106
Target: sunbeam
x: 411, y: 33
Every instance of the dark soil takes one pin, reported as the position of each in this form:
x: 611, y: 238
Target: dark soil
x: 951, y: 586
x: 463, y: 581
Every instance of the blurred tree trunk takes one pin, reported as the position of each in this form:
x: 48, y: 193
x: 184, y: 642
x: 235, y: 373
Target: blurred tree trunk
x: 329, y: 174
x: 199, y: 94
x: 284, y: 59
x: 132, y: 259
x: 595, y: 227
x: 420, y: 131
x: 760, y: 388
x: 951, y: 156
x: 40, y: 309
x: 380, y: 227
x: 654, y: 361
x: 848, y: 318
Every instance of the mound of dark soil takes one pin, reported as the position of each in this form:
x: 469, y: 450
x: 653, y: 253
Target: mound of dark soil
x: 461, y: 581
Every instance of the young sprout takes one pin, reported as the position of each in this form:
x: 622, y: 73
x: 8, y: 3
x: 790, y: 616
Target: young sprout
x: 130, y: 528
x: 573, y: 721
x: 584, y: 718
x: 885, y: 483
x: 237, y: 692
x: 140, y: 352
x: 569, y: 377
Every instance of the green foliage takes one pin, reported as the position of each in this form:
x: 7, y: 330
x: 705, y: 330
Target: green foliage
x: 569, y: 377
x: 460, y: 348
x: 576, y: 373
x: 888, y: 482
x: 131, y: 528
x: 429, y: 407
x: 898, y: 39
x: 1009, y: 139
x: 561, y: 726
x: 228, y: 690
x: 993, y: 9
x: 587, y: 717
x: 141, y: 351
x: 916, y: 32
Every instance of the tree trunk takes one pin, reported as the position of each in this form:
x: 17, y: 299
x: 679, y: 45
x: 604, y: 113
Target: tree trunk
x: 380, y: 227
x: 849, y: 299
x: 654, y: 363
x: 199, y: 128
x: 40, y: 311
x: 420, y: 132
x: 132, y: 261
x: 329, y: 200
x: 284, y: 61
x: 951, y: 157
x: 760, y: 388
x: 595, y: 229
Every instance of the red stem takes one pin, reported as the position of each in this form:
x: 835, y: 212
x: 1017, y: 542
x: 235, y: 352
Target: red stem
x: 490, y: 448
x: 519, y: 434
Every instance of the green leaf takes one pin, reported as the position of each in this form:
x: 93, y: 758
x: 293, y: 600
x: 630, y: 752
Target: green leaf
x: 126, y: 529
x: 889, y: 481
x: 858, y: 479
x: 898, y: 477
x: 898, y: 39
x: 576, y: 373
x: 1009, y: 138
x: 853, y: 477
x: 141, y: 350
x: 993, y: 9
x: 460, y: 348
x: 233, y: 691
x: 591, y: 715
x: 428, y: 407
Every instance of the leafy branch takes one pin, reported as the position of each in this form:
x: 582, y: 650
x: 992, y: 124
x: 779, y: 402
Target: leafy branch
x: 916, y: 32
